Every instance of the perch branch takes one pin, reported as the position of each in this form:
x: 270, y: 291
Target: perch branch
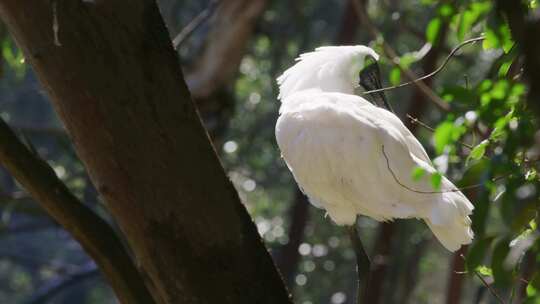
x: 394, y: 58
x: 488, y: 286
x: 195, y: 23
x: 95, y: 235
x: 55, y: 286
x: 437, y: 71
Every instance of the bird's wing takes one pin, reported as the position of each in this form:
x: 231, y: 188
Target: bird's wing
x: 410, y: 140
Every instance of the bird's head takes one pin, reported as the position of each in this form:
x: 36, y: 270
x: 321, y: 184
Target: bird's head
x: 333, y: 69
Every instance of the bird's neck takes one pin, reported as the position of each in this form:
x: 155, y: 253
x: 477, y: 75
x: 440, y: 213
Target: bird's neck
x: 332, y: 85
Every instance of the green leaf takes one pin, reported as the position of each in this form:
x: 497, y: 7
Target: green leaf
x: 498, y: 37
x: 504, y: 68
x: 499, y: 131
x: 470, y: 17
x: 407, y: 59
x: 417, y: 173
x: 432, y: 30
x: 446, y: 10
x: 479, y: 151
x: 395, y: 76
x: 531, y: 175
x: 500, y: 89
x: 484, y: 270
x: 436, y: 179
x: 443, y: 136
x: 491, y: 40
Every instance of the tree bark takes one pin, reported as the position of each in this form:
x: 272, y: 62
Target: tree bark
x: 455, y: 277
x: 115, y: 81
x: 93, y: 233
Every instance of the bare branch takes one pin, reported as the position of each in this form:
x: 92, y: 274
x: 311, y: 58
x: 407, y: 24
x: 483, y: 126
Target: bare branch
x: 488, y: 286
x: 55, y: 286
x: 195, y: 23
x: 418, y: 122
x: 394, y: 58
x: 434, y: 192
x: 439, y: 69
x: 95, y: 235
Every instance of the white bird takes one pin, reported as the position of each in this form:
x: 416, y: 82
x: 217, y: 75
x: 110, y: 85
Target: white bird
x: 351, y: 157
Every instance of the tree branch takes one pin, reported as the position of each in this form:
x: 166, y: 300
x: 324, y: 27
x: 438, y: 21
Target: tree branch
x: 195, y: 23
x: 55, y: 286
x: 394, y: 58
x: 439, y: 69
x: 94, y: 234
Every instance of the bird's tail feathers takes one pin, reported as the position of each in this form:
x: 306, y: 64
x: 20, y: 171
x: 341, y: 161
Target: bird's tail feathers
x: 449, y: 220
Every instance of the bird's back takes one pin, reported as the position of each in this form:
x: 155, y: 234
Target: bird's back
x: 333, y: 143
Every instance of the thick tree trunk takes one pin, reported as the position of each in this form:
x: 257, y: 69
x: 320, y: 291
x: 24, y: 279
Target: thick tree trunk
x: 114, y: 79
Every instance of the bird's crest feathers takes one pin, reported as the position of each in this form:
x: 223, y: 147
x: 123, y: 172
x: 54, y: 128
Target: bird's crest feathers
x: 325, y: 68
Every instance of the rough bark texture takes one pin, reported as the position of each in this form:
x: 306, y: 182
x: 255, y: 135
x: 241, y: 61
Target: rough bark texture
x: 93, y: 233
x: 115, y: 81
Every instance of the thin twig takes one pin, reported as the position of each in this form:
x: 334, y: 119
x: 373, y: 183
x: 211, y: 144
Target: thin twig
x: 55, y: 26
x: 56, y: 286
x: 93, y: 233
x: 433, y: 192
x: 438, y: 70
x: 420, y: 123
x: 394, y: 58
x: 195, y: 23
x: 488, y: 286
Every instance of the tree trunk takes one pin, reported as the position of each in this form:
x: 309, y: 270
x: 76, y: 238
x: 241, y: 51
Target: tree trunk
x: 115, y: 81
x: 455, y: 277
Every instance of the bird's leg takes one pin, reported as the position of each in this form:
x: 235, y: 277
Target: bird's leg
x: 363, y: 264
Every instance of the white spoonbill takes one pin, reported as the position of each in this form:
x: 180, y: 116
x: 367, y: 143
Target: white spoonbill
x: 353, y: 158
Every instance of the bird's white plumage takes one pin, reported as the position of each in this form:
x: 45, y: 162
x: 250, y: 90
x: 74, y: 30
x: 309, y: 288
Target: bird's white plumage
x: 333, y: 141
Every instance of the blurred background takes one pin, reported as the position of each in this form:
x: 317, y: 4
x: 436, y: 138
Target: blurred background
x: 231, y: 52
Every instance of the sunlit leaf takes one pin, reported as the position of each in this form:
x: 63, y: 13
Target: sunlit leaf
x: 504, y: 68
x: 432, y: 30
x: 479, y: 150
x: 443, y: 136
x: 446, y: 10
x: 417, y: 173
x: 531, y: 175
x: 470, y: 17
x: 395, y: 76
x: 484, y: 270
x: 436, y: 179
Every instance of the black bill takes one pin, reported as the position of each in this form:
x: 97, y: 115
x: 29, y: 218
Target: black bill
x: 370, y: 79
